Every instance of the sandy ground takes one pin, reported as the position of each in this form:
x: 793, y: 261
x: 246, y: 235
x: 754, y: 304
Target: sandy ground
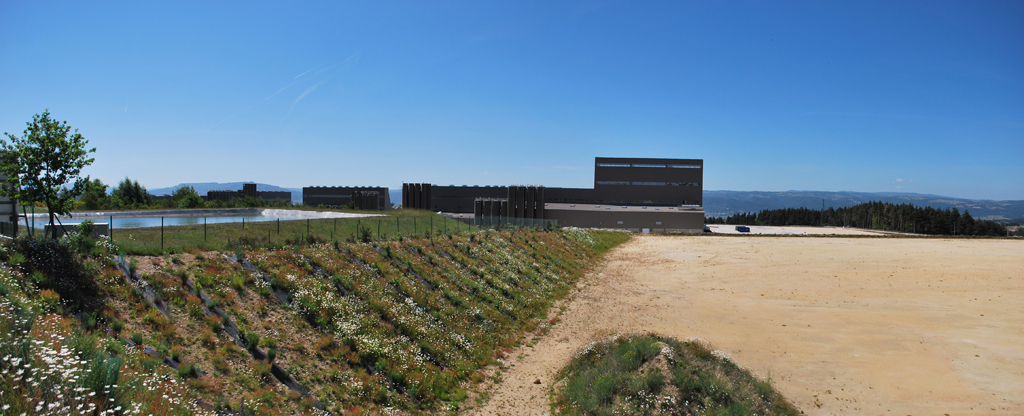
x: 758, y: 229
x: 889, y: 326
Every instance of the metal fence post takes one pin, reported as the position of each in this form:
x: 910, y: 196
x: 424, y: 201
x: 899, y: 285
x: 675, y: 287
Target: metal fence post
x: 111, y: 229
x: 204, y: 229
x: 28, y: 230
x: 161, y: 233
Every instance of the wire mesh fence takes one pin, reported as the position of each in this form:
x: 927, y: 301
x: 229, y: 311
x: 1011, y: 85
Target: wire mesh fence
x: 275, y: 233
x: 8, y: 229
x: 511, y: 222
x: 227, y: 236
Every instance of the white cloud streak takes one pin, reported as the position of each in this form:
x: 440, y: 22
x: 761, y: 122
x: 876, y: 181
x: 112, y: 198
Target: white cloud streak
x: 349, y: 62
x: 303, y: 95
x: 304, y: 73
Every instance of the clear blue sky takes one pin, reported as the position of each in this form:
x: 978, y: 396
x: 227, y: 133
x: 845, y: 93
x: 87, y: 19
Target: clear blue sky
x: 923, y: 97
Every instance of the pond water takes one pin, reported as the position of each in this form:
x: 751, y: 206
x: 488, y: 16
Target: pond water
x: 124, y: 220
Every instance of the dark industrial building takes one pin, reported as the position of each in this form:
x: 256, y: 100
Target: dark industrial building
x: 249, y: 190
x: 643, y: 194
x: 364, y: 198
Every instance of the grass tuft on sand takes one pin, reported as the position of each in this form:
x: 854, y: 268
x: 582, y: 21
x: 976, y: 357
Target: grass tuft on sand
x: 648, y: 374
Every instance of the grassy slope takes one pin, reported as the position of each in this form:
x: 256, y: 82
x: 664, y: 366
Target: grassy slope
x: 356, y: 326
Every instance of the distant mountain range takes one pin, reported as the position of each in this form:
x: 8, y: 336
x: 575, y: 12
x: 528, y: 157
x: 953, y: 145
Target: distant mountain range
x: 396, y: 196
x: 725, y: 203
x: 203, y: 187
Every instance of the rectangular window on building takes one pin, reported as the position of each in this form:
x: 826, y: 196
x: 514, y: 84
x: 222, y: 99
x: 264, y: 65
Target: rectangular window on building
x: 612, y: 182
x: 613, y: 165
x: 685, y: 166
x: 620, y: 222
x: 657, y: 223
x: 638, y: 165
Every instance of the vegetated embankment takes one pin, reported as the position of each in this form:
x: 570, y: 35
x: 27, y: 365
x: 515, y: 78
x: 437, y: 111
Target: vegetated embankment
x: 317, y: 328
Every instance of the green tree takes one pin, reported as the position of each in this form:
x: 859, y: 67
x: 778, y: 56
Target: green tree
x: 130, y: 194
x: 187, y: 197
x: 40, y: 164
x: 95, y: 196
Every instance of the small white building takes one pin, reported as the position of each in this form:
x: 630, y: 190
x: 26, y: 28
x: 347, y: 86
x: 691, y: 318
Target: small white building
x: 8, y: 212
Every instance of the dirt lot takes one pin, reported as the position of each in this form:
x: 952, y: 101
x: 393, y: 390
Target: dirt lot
x: 890, y: 326
x: 794, y: 230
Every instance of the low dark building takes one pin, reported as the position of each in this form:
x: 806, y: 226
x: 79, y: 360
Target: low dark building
x: 631, y: 193
x: 364, y: 198
x: 249, y: 190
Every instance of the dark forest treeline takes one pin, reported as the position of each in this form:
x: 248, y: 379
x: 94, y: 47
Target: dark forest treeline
x: 873, y: 215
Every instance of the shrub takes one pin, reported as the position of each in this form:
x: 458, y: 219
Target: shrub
x: 188, y: 370
x: 176, y: 352
x: 54, y: 265
x: 208, y: 338
x: 49, y: 300
x: 86, y: 228
x: 215, y: 323
x: 365, y: 235
x: 104, y: 372
x: 220, y: 362
x: 252, y: 339
x: 238, y: 281
x: 113, y: 347
x: 194, y: 305
x: 261, y: 368
x: 16, y: 259
x: 187, y: 197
